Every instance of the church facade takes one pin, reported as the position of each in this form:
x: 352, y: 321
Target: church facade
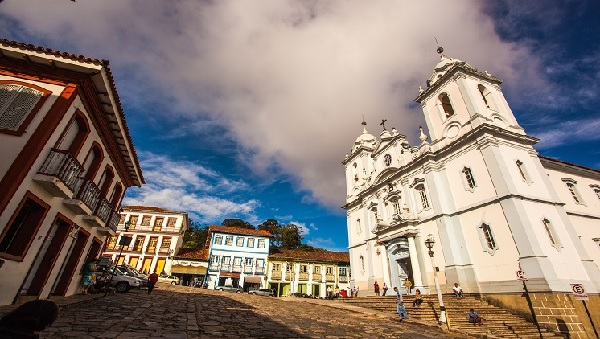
x: 479, y: 188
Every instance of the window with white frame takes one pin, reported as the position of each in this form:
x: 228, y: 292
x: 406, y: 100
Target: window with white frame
x: 229, y: 240
x: 226, y: 260
x: 248, y: 261
x: 551, y: 232
x: 342, y: 271
x: 488, y: 241
x: 237, y: 261
x: 523, y: 171
x: 572, y: 187
x: 317, y: 269
x: 329, y: 269
x: 250, y: 242
x: 214, y: 260
x: 303, y: 268
x: 276, y: 267
x: 239, y: 242
x: 262, y: 243
x: 260, y: 262
x: 422, y: 196
x: 218, y: 239
x: 468, y: 178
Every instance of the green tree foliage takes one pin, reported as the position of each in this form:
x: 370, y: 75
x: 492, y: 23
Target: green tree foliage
x: 195, y: 236
x: 237, y: 223
x: 284, y: 236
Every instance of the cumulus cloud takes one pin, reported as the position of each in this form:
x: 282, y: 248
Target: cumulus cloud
x: 187, y: 186
x: 290, y: 80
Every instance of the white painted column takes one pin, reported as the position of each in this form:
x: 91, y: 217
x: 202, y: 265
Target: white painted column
x: 414, y: 262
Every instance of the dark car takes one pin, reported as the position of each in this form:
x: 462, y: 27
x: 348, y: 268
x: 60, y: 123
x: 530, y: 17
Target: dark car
x: 263, y: 291
x: 229, y: 288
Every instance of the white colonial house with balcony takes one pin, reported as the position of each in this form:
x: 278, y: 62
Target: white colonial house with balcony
x: 67, y: 159
x: 237, y: 256
x: 156, y: 235
x: 307, y: 272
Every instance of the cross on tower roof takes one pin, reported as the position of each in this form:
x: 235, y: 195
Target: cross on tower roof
x: 383, y: 123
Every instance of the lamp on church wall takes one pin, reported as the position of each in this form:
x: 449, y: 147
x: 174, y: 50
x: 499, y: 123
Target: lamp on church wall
x: 429, y: 242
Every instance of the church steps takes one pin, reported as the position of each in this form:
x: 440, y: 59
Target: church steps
x: 498, y: 322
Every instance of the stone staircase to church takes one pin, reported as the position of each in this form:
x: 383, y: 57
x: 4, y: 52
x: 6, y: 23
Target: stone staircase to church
x: 497, y: 321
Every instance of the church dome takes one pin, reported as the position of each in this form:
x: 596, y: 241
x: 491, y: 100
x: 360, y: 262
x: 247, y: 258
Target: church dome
x: 365, y: 139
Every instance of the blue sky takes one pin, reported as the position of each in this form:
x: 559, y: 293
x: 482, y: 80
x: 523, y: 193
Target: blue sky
x: 246, y: 109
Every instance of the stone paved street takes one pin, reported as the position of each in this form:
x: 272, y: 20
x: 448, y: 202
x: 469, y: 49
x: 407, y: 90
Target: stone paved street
x: 185, y: 312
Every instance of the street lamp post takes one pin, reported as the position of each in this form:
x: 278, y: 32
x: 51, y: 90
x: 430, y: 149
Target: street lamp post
x: 429, y: 242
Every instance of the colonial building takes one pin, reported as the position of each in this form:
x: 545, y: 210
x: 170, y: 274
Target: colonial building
x: 156, y: 235
x: 190, y: 265
x: 237, y: 256
x: 478, y: 186
x: 67, y: 159
x: 307, y: 272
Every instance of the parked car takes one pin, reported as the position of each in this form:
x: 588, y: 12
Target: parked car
x: 229, y: 288
x: 132, y: 272
x: 122, y: 282
x: 170, y: 279
x: 263, y: 291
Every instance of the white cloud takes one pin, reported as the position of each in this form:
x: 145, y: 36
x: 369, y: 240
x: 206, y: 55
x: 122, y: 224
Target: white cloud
x: 187, y: 186
x: 302, y: 228
x: 571, y: 131
x: 327, y: 244
x: 291, y: 80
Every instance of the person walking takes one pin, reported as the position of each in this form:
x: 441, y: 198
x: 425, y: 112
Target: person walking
x: 152, y: 279
x: 385, y: 289
x: 376, y: 287
x: 89, y: 272
x: 400, y: 308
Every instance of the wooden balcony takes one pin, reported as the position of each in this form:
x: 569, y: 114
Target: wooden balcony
x: 237, y: 268
x: 303, y: 276
x: 60, y: 174
x: 276, y: 275
x: 317, y: 276
x: 329, y: 277
x: 343, y: 278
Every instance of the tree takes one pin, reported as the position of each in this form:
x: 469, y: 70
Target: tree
x: 237, y: 223
x: 284, y: 236
x: 195, y: 236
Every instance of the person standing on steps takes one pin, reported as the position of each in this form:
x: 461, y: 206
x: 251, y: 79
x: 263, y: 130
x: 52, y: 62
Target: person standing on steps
x: 376, y: 287
x: 407, y: 284
x: 152, y: 279
x: 400, y: 308
x: 385, y: 289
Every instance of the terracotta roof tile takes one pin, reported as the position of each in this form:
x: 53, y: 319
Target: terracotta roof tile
x: 192, y: 253
x: 239, y: 230
x: 318, y: 255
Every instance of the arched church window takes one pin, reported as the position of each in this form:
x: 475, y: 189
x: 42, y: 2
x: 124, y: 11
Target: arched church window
x: 423, y: 196
x: 469, y: 179
x: 446, y: 105
x: 488, y: 236
x: 523, y: 171
x: 396, y: 206
x: 551, y: 233
x: 358, y: 226
x: 572, y: 187
x: 362, y: 264
x: 387, y: 159
x: 487, y: 97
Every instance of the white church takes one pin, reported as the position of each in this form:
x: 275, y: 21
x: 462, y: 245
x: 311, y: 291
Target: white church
x: 493, y: 205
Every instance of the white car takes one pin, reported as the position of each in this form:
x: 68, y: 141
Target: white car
x: 170, y: 279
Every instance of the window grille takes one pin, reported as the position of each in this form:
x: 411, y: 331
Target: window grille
x: 16, y: 102
x: 488, y: 236
x: 469, y: 177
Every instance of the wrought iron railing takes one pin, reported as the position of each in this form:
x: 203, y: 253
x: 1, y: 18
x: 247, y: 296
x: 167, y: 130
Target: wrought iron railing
x: 113, y: 221
x: 89, y: 194
x: 103, y: 211
x: 62, y: 165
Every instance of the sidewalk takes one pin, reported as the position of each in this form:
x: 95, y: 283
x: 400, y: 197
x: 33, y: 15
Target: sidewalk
x: 62, y: 302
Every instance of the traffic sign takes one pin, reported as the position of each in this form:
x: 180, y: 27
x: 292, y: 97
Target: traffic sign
x: 579, y: 292
x: 521, y: 275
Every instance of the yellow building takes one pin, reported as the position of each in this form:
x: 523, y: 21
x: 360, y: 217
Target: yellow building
x: 307, y: 272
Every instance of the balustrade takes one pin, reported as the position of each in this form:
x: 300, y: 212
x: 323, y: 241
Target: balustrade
x: 89, y: 194
x: 303, y: 276
x: 329, y: 277
x: 103, y: 211
x: 114, y: 221
x: 317, y: 276
x: 276, y: 275
x: 62, y: 165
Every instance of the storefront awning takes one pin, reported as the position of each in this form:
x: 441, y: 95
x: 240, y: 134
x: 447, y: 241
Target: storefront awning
x: 188, y: 269
x: 253, y: 280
